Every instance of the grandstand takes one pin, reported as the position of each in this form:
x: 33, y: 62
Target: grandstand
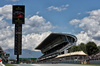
x: 55, y: 44
x: 3, y: 55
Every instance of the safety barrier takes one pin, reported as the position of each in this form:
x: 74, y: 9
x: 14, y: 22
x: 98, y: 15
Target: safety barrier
x: 69, y: 61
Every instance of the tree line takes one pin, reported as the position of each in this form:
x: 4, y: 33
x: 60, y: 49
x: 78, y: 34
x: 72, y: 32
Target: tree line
x: 89, y: 48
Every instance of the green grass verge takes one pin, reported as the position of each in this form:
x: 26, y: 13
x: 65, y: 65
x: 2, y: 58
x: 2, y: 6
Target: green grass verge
x: 9, y: 65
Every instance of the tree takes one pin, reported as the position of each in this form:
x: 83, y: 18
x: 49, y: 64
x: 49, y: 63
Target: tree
x: 99, y: 48
x: 74, y: 49
x: 82, y: 47
x: 91, y: 48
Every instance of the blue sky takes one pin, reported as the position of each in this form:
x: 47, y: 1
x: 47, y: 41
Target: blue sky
x: 76, y: 9
x: 60, y: 18
x: 77, y: 17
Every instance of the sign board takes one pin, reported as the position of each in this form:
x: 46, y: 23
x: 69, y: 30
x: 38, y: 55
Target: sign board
x: 18, y: 39
x: 18, y: 44
x: 18, y: 15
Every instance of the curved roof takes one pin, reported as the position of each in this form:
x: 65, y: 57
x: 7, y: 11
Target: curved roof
x: 51, y: 37
x: 1, y: 49
x: 73, y: 53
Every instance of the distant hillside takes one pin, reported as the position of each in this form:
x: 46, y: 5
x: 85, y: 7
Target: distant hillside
x: 25, y: 53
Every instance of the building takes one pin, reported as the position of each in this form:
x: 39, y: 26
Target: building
x: 79, y: 55
x: 55, y: 44
x: 3, y: 55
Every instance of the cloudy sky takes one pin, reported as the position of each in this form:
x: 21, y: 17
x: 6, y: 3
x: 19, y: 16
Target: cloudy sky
x: 78, y: 17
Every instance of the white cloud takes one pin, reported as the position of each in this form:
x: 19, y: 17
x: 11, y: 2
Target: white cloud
x: 83, y: 37
x: 78, y: 13
x: 6, y: 12
x: 74, y: 21
x: 35, y: 30
x: 61, y: 8
x: 91, y: 27
x: 36, y: 24
x: 31, y: 41
x: 7, y: 37
x: 3, y: 24
x: 6, y: 31
x: 37, y: 12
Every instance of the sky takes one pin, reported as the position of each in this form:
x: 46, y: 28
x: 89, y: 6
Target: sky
x: 42, y: 17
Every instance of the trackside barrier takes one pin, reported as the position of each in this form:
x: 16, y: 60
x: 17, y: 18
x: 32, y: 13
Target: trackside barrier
x: 70, y: 62
x: 94, y: 62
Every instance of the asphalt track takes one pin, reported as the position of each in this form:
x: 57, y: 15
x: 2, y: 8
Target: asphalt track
x: 51, y: 65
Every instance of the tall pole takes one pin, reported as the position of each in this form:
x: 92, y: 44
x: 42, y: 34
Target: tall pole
x: 17, y: 59
x: 18, y: 18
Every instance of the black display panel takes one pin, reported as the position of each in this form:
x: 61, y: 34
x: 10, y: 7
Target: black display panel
x: 18, y: 39
x: 18, y: 15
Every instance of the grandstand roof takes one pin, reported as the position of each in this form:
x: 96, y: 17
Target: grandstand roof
x: 72, y: 53
x: 1, y: 49
x: 51, y: 37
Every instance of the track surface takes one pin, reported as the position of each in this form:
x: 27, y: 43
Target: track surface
x: 51, y: 65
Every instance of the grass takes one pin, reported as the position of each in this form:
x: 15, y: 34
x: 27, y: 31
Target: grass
x: 9, y: 65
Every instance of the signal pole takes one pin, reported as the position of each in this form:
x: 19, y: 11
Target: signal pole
x: 18, y: 18
x: 17, y: 59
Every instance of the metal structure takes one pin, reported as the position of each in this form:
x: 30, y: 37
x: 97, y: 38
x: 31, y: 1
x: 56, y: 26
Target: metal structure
x: 55, y: 44
x: 18, y: 18
x: 3, y: 55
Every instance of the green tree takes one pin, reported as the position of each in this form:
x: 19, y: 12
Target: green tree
x: 82, y: 47
x: 74, y: 49
x: 91, y: 48
x: 69, y: 50
x: 99, y: 48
